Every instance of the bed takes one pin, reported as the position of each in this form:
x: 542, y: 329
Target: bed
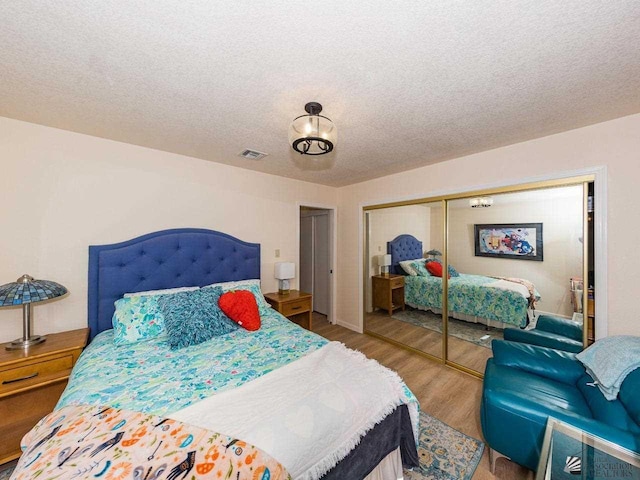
x: 495, y: 302
x: 278, y: 386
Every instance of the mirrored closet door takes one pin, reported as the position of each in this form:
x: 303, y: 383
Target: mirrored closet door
x: 512, y: 257
x: 398, y: 307
x: 493, y: 261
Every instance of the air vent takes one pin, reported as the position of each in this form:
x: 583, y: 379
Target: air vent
x: 252, y: 154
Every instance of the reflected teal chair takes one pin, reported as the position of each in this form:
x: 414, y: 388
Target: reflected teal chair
x: 550, y: 331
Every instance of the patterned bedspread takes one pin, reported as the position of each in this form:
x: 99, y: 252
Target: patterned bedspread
x: 87, y: 441
x: 149, y: 377
x: 471, y: 295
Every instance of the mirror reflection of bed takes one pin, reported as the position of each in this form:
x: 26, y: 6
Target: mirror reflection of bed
x: 487, y: 296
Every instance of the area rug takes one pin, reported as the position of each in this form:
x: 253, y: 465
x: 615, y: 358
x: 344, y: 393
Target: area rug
x: 7, y: 469
x: 445, y: 453
x: 476, y: 333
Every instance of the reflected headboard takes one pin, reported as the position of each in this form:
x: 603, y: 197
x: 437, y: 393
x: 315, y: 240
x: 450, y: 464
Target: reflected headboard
x: 179, y: 257
x: 403, y: 247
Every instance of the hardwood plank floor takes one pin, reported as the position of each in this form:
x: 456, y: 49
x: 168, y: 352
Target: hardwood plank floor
x: 460, y: 351
x: 449, y: 395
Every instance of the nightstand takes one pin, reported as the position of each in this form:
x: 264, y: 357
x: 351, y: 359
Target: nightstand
x: 296, y: 306
x: 31, y: 382
x: 388, y: 292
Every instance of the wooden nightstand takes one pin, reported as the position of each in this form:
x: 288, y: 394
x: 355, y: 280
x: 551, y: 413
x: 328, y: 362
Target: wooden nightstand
x: 388, y: 292
x: 296, y: 306
x: 31, y: 382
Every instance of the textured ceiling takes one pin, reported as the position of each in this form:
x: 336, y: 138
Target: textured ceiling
x: 407, y: 83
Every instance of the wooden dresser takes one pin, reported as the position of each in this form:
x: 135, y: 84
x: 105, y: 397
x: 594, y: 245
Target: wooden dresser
x: 31, y: 382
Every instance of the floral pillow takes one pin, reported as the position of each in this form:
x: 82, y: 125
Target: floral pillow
x: 407, y: 266
x: 137, y: 319
x: 194, y: 317
x: 420, y: 268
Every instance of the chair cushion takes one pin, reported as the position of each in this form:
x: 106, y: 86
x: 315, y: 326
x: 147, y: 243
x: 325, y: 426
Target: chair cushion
x: 628, y: 395
x: 611, y: 412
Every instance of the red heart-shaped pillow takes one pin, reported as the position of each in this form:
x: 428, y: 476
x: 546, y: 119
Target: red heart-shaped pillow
x: 241, y: 307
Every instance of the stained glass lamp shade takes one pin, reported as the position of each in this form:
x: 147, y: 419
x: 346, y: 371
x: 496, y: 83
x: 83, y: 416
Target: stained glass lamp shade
x: 434, y: 253
x: 25, y: 291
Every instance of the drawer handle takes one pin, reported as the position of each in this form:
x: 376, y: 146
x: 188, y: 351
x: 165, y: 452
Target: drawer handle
x: 296, y: 308
x: 33, y: 375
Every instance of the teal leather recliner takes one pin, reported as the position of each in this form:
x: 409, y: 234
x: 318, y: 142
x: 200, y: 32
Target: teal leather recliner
x: 550, y: 331
x: 525, y: 384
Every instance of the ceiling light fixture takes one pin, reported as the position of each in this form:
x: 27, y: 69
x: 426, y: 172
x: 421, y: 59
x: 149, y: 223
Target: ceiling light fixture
x: 313, y: 134
x: 480, y: 202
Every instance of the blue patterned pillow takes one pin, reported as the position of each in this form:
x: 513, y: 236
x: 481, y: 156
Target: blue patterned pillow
x: 137, y: 319
x: 194, y: 317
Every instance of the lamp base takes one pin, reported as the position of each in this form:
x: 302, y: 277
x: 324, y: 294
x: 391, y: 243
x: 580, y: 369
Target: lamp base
x: 283, y: 287
x: 21, y: 343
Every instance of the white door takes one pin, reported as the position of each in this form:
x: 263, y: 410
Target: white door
x: 321, y: 264
x: 306, y: 254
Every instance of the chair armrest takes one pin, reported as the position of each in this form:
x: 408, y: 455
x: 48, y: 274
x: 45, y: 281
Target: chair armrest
x: 560, y: 326
x: 543, y: 339
x: 546, y: 362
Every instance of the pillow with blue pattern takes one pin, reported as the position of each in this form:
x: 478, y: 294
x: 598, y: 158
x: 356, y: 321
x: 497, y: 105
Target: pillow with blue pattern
x: 194, y: 317
x: 137, y: 319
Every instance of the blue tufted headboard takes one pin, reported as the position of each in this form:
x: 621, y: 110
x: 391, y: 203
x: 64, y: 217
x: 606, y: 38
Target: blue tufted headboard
x: 403, y: 247
x: 166, y: 259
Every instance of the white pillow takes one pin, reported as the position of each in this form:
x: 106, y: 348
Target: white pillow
x: 166, y: 291
x: 407, y: 267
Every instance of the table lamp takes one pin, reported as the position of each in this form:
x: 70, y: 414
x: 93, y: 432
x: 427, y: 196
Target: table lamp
x: 384, y: 261
x: 25, y: 291
x: 285, y: 271
x: 434, y: 253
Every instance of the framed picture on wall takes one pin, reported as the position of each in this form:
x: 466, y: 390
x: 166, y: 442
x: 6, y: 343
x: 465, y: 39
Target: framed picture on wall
x: 518, y: 241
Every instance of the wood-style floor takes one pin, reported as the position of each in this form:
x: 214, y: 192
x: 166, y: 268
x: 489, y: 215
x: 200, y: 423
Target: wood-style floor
x: 449, y: 395
x: 462, y: 352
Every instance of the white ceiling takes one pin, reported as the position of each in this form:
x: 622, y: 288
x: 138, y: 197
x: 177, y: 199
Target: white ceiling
x: 407, y: 83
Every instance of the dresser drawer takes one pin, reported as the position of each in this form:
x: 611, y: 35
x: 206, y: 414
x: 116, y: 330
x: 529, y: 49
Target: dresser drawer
x: 397, y: 282
x: 36, y: 369
x: 297, y: 306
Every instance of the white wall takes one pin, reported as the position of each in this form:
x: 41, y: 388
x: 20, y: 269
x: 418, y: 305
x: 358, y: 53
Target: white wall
x: 614, y: 144
x: 560, y: 212
x: 61, y: 192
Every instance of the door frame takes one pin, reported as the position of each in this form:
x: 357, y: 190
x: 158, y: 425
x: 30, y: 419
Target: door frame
x: 333, y: 241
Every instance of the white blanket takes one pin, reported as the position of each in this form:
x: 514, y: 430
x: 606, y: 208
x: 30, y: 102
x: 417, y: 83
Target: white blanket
x: 507, y: 285
x: 310, y: 413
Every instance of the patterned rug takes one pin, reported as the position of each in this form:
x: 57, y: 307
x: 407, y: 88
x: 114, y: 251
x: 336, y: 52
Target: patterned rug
x: 471, y: 332
x: 7, y: 469
x: 445, y: 453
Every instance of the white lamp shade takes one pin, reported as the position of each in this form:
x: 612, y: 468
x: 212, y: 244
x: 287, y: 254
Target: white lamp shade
x: 285, y: 270
x: 384, y: 260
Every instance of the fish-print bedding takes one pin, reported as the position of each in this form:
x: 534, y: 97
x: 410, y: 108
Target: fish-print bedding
x: 88, y: 441
x: 149, y: 377
x: 473, y: 295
